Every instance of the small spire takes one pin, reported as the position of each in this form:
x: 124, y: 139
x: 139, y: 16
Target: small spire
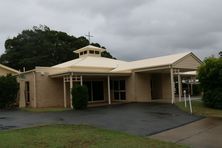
x: 89, y: 36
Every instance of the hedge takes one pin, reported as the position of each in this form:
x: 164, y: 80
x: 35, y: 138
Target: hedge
x: 8, y: 91
x: 79, y: 97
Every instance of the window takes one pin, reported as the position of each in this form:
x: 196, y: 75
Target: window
x: 27, y: 92
x: 119, y: 89
x: 85, y: 52
x: 95, y: 90
x: 81, y: 53
x: 91, y: 51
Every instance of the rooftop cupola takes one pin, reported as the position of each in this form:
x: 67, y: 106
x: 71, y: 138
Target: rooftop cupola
x: 89, y: 51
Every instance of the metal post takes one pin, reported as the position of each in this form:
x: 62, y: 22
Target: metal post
x: 191, y: 110
x: 81, y: 82
x: 185, y: 100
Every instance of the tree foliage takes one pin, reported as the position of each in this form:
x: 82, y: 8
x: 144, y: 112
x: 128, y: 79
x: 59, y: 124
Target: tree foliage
x: 80, y: 97
x: 105, y: 53
x: 8, y: 91
x: 41, y: 46
x: 220, y: 54
x: 210, y: 77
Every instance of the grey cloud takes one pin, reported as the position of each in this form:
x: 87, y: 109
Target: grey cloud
x: 129, y: 29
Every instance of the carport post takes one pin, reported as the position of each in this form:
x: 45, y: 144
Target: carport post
x: 172, y: 85
x: 108, y: 86
x: 70, y: 80
x: 179, y: 86
x: 64, y: 89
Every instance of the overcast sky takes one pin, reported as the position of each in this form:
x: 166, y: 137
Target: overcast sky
x: 129, y: 29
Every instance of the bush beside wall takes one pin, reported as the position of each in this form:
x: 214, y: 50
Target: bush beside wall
x: 210, y: 77
x: 8, y: 91
x: 79, y: 97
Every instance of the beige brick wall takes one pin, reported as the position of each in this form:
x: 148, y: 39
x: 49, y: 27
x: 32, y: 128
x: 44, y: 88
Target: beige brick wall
x: 49, y: 92
x: 142, y: 87
x: 166, y: 87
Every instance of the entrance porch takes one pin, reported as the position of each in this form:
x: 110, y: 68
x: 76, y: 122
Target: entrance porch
x: 102, y: 89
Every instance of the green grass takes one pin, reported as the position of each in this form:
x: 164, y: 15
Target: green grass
x: 200, y: 109
x: 75, y: 136
x: 44, y: 109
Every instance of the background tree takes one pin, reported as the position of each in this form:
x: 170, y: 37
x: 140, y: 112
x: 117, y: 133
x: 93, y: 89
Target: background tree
x: 210, y: 78
x: 41, y: 46
x: 105, y: 53
x: 220, y: 54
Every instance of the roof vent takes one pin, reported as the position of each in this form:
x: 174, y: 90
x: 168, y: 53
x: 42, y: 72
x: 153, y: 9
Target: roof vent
x: 89, y: 51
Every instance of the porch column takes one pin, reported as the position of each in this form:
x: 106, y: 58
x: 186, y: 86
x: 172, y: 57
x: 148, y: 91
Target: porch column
x: 81, y: 83
x: 71, y: 85
x: 172, y: 85
x: 64, y: 89
x: 34, y: 90
x: 179, y: 86
x: 108, y: 86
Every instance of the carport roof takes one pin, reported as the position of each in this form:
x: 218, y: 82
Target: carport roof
x: 154, y: 62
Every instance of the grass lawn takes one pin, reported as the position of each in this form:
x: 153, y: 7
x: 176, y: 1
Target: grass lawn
x: 200, y: 109
x: 75, y: 136
x: 45, y: 109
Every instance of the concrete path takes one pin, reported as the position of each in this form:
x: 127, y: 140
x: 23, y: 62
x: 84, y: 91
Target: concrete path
x: 139, y: 119
x: 205, y: 133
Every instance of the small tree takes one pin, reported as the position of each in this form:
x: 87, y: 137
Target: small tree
x: 210, y: 77
x: 8, y: 91
x: 79, y: 97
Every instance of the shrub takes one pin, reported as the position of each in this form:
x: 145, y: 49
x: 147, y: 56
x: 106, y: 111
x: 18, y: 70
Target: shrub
x: 8, y: 91
x: 210, y: 77
x: 79, y: 97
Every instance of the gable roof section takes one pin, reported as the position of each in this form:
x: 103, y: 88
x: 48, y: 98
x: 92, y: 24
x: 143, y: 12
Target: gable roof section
x: 189, y: 61
x: 152, y: 62
x: 9, y: 69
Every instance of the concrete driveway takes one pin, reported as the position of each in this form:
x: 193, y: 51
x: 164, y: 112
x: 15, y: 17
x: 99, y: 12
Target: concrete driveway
x: 139, y: 119
x: 205, y: 133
